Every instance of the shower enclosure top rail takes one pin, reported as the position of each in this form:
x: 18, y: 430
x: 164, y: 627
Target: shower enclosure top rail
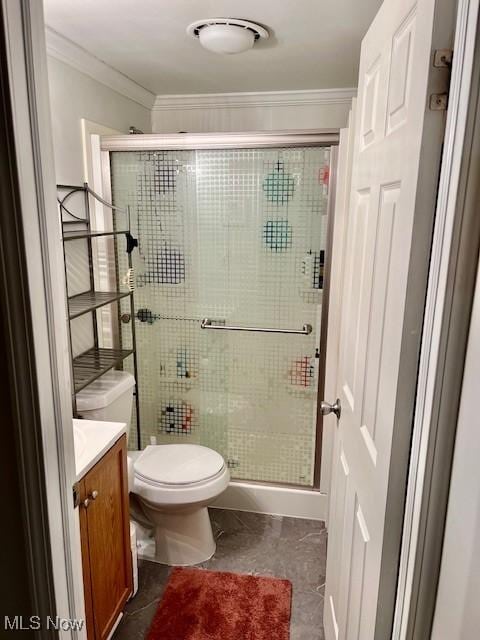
x: 250, y: 140
x: 207, y: 324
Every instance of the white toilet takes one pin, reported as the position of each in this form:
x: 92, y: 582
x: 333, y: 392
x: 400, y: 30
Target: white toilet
x: 173, y: 483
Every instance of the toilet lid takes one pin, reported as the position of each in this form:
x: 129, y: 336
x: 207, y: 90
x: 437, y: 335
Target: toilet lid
x: 178, y: 463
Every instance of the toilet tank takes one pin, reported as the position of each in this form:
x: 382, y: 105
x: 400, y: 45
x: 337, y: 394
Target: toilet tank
x: 109, y: 398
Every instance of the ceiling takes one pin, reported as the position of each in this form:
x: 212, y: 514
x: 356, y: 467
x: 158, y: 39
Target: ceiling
x: 313, y: 44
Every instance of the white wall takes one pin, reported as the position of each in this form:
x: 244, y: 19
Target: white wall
x: 457, y: 614
x: 73, y: 96
x: 266, y: 111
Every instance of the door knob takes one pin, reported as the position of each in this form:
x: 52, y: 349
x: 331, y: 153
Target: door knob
x: 94, y: 495
x: 326, y: 408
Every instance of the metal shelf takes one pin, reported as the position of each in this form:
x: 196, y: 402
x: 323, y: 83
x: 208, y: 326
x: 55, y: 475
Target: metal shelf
x: 92, y: 364
x: 85, y: 233
x: 90, y: 300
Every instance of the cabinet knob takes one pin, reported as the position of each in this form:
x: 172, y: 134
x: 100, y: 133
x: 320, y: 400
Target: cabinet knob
x: 92, y: 496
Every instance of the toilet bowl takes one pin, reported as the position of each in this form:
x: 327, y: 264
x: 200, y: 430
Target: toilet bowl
x: 174, y: 484
x: 171, y: 485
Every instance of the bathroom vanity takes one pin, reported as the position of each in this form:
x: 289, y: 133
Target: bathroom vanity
x: 101, y: 463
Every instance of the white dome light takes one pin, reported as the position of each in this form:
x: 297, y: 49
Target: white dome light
x: 225, y: 35
x: 226, y: 38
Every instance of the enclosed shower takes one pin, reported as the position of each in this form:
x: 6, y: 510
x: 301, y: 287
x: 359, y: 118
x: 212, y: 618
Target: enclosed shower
x: 229, y: 284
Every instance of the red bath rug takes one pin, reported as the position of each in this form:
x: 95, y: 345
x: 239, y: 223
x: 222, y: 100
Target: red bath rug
x: 212, y: 605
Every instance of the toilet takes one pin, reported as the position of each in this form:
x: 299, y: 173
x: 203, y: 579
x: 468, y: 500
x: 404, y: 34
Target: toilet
x: 171, y: 484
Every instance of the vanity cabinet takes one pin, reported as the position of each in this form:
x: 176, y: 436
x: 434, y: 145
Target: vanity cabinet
x: 105, y: 537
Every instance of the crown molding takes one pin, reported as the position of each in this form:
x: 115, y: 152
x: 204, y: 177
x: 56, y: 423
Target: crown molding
x: 241, y: 100
x: 70, y: 53
x: 82, y: 60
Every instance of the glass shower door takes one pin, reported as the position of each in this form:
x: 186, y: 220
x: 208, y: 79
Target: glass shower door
x: 236, y: 237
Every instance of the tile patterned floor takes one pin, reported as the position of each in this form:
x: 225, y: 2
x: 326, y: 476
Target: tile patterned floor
x: 256, y: 544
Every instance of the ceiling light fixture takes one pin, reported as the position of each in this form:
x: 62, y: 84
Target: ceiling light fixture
x: 226, y: 35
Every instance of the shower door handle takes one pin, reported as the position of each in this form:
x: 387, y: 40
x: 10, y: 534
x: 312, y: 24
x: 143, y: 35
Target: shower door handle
x: 207, y: 324
x: 327, y: 408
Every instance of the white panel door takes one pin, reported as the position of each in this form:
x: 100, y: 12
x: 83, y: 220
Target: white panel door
x: 387, y: 157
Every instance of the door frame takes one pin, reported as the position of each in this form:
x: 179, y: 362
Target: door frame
x: 451, y: 285
x: 24, y: 29
x: 27, y: 567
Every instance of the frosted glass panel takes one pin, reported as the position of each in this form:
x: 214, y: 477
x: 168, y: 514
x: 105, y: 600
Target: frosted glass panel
x: 237, y: 236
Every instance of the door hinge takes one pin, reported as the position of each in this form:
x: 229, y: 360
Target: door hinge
x: 442, y: 58
x: 438, y: 101
x: 76, y: 495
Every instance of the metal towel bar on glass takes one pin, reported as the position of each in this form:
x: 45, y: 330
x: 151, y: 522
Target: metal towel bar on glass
x: 207, y: 324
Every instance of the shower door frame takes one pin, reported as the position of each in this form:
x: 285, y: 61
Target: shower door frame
x: 250, y: 140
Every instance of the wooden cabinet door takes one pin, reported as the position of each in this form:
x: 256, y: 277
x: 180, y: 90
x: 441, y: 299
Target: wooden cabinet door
x: 108, y: 534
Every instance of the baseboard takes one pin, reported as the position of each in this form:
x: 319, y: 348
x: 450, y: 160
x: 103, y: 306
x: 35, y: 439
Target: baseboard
x: 271, y: 500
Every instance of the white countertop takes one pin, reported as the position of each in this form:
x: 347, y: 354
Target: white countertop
x: 92, y: 439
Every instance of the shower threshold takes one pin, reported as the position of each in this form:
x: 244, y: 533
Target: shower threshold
x: 270, y: 499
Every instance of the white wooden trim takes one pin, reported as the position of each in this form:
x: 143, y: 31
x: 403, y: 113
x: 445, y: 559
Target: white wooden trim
x: 456, y: 612
x: 256, y: 99
x: 437, y: 287
x: 101, y: 218
x: 68, y: 52
x: 80, y: 59
x: 91, y: 132
x: 27, y: 60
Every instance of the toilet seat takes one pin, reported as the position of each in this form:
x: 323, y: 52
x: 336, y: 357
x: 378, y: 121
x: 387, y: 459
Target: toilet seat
x: 179, y: 474
x: 174, y: 465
